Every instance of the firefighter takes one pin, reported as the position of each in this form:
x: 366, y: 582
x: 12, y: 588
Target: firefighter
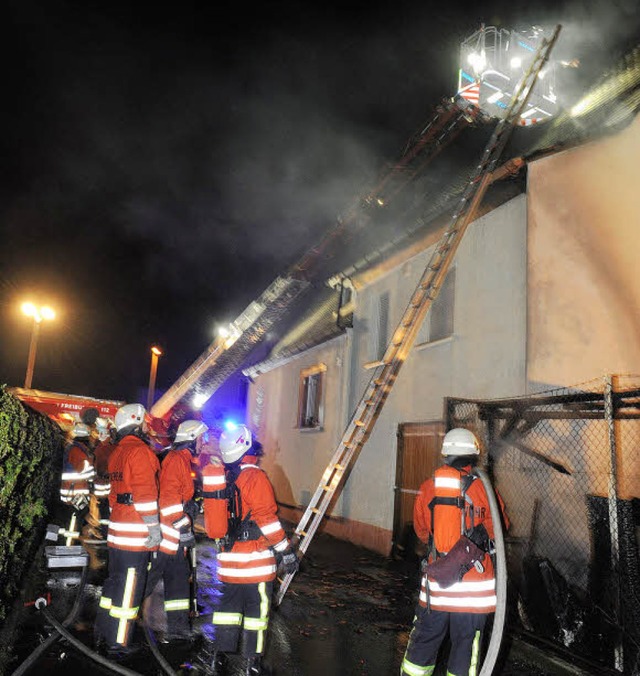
x: 101, y: 487
x: 77, y: 478
x: 255, y: 546
x: 458, y: 588
x: 177, y: 514
x: 134, y: 530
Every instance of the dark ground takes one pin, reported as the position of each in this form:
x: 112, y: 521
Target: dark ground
x: 347, y: 613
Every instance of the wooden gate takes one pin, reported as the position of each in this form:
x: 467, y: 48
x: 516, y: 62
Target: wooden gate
x: 419, y: 446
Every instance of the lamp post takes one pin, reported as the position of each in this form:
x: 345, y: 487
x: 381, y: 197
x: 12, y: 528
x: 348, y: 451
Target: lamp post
x: 38, y: 314
x: 156, y: 353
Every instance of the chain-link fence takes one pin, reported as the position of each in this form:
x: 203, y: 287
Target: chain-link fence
x: 567, y: 464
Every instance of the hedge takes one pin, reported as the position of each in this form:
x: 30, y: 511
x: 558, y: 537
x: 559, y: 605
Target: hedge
x: 31, y: 448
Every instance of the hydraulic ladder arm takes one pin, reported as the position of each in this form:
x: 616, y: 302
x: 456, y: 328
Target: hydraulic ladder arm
x: 384, y: 377
x: 224, y: 355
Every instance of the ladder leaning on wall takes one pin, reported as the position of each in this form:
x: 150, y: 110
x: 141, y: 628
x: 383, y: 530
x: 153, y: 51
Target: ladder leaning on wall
x: 384, y: 376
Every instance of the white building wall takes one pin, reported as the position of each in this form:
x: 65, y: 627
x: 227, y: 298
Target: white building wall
x: 295, y: 458
x: 484, y: 358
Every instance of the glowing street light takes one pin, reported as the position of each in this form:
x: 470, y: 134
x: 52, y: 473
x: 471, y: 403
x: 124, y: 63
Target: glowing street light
x: 156, y: 353
x: 38, y: 314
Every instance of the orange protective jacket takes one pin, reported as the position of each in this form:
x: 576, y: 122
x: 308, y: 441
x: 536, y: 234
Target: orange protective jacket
x: 176, y: 488
x: 133, y: 473
x: 253, y: 560
x: 77, y: 471
x: 476, y: 592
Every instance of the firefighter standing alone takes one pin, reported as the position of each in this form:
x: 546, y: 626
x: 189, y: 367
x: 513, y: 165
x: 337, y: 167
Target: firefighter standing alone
x: 134, y: 529
x: 254, y: 547
x: 177, y: 514
x: 458, y: 586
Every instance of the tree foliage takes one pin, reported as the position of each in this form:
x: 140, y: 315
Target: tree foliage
x: 30, y: 464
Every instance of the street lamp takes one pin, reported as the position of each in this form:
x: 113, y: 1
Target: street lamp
x: 156, y: 353
x: 38, y: 314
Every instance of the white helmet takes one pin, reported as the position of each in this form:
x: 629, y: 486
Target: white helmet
x: 80, y: 430
x: 189, y: 430
x: 129, y: 415
x: 234, y: 443
x: 460, y: 441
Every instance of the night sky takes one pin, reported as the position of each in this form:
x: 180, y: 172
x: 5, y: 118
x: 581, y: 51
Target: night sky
x: 163, y: 163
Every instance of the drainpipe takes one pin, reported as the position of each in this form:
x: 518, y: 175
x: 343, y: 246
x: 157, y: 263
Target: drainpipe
x: 609, y: 414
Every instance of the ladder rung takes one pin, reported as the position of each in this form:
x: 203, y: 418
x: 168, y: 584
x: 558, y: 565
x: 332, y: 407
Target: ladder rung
x: 315, y: 510
x: 358, y: 423
x: 326, y: 487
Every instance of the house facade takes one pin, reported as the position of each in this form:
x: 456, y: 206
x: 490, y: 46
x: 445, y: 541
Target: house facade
x: 541, y: 294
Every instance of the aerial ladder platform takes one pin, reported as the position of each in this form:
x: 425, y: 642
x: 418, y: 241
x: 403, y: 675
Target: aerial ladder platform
x: 397, y: 351
x: 225, y: 354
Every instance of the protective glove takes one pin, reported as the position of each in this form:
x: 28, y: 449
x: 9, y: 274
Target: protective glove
x: 480, y: 537
x: 191, y: 509
x: 155, y: 536
x: 288, y: 561
x: 187, y: 539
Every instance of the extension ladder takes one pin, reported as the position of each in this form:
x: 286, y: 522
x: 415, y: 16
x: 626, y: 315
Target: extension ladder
x: 383, y: 378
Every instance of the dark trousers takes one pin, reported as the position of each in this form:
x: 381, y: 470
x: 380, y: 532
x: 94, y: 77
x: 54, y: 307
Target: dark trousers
x: 174, y: 571
x: 122, y: 595
x: 242, y: 608
x: 429, y: 631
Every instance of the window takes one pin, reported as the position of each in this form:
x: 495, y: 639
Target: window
x: 310, y: 400
x: 379, y: 336
x: 439, y: 322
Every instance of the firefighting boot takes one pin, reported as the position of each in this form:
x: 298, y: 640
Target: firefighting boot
x: 256, y: 668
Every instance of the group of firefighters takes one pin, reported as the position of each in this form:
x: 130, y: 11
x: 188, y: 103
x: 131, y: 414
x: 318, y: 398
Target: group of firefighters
x: 148, y: 509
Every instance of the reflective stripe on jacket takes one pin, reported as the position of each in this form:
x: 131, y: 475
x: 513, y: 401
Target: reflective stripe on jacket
x: 253, y: 560
x: 176, y: 488
x: 77, y: 471
x: 133, y: 470
x: 476, y: 592
x: 101, y: 485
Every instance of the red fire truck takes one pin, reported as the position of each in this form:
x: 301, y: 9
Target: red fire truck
x: 64, y: 409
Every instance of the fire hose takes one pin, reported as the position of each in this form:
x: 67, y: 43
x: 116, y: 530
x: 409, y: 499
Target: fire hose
x: 493, y: 649
x: 61, y: 632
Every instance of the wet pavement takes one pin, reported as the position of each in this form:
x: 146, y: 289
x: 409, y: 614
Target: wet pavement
x: 347, y: 613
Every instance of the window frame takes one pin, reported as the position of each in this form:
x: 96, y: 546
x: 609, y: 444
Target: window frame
x: 302, y: 418
x: 425, y: 335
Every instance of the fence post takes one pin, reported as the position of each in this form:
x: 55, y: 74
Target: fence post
x: 609, y: 414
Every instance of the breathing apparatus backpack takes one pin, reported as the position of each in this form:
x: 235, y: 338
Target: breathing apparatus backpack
x: 223, y: 508
x: 469, y: 550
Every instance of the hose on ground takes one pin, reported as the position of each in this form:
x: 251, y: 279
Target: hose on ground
x: 54, y: 636
x: 166, y: 667
x: 70, y: 638
x: 493, y: 649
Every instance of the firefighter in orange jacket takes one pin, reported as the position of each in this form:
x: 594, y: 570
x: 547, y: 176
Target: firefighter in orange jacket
x: 78, y: 474
x: 134, y: 529
x: 177, y: 514
x: 458, y: 587
x: 255, y: 545
x: 101, y: 486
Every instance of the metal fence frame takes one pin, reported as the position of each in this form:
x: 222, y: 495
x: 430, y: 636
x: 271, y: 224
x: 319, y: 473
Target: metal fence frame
x: 566, y: 463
